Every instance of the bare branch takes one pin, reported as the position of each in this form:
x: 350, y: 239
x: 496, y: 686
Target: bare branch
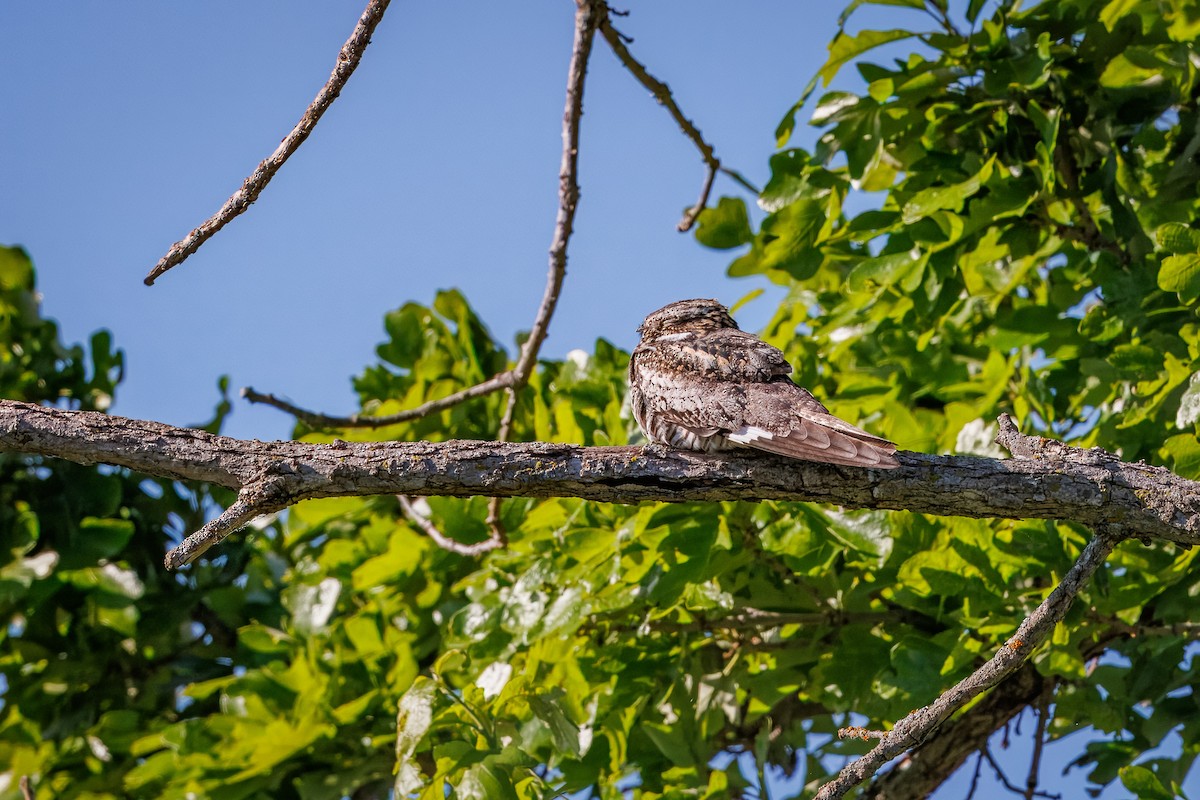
x: 920, y: 724
x: 347, y: 61
x: 440, y: 539
x: 319, y: 421
x: 1007, y: 784
x: 1039, y: 742
x: 249, y: 505
x: 26, y: 788
x: 927, y: 767
x: 662, y: 93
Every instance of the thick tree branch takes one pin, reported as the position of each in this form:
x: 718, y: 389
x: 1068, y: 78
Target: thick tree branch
x: 920, y: 724
x: 1089, y: 487
x: 347, y: 61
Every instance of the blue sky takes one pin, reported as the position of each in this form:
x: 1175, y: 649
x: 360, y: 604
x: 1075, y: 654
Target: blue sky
x: 127, y: 124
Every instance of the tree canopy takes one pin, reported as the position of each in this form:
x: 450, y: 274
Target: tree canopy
x: 1001, y: 220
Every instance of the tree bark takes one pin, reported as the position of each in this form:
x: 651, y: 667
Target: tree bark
x: 1089, y: 487
x: 930, y: 764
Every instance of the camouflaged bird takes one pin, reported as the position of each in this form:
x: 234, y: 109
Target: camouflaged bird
x: 697, y: 382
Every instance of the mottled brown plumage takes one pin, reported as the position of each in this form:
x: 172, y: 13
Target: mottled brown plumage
x: 697, y: 382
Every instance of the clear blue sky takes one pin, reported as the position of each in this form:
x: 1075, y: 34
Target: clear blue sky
x: 127, y: 124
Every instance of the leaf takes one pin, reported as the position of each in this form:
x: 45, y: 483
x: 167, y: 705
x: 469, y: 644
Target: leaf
x: 413, y: 720
x: 1181, y: 274
x: 1144, y: 783
x: 1178, y: 238
x: 850, y: 9
x: 311, y: 605
x: 1115, y: 10
x: 1184, y: 452
x: 938, y: 198
x: 1189, y: 404
x: 876, y: 273
x: 846, y: 48
x: 549, y: 710
x: 725, y: 226
x: 789, y: 234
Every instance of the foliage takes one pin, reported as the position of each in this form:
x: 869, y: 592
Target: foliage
x: 1029, y: 249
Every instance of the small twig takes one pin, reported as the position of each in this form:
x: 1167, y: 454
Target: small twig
x: 943, y: 18
x: 914, y: 728
x: 753, y: 619
x: 859, y: 732
x: 693, y: 213
x: 317, y: 420
x: 26, y: 788
x: 987, y: 753
x: 662, y: 93
x: 1039, y: 741
x: 440, y: 539
x: 250, y: 504
x: 975, y: 777
x: 347, y: 61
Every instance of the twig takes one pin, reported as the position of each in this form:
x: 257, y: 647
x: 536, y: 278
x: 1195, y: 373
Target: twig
x: 975, y: 777
x: 753, y: 619
x: 347, y: 61
x: 662, y: 93
x: 441, y: 540
x: 317, y: 420
x: 914, y: 728
x: 253, y: 501
x: 26, y: 788
x: 1030, y: 793
x: 859, y: 732
x: 1039, y: 742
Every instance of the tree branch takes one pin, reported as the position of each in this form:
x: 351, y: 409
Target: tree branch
x: 662, y: 93
x: 920, y: 724
x: 1089, y: 487
x: 929, y: 765
x: 347, y: 61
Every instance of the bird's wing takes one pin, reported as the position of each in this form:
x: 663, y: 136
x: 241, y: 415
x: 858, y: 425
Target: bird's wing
x: 784, y: 418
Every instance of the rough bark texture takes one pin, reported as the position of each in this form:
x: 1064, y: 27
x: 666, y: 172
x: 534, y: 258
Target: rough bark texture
x: 1089, y: 487
x: 930, y: 764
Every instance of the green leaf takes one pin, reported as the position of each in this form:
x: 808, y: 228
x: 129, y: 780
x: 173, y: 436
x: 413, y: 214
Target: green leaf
x: 1115, y: 10
x: 1184, y: 452
x: 1189, y: 405
x: 789, y: 234
x: 854, y: 4
x: 875, y: 273
x: 725, y: 226
x: 1144, y: 783
x: 938, y: 198
x: 846, y: 48
x: 413, y: 721
x: 1181, y: 274
x: 16, y: 270
x: 1178, y: 238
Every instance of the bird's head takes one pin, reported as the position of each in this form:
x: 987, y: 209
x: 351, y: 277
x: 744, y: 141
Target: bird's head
x: 686, y: 316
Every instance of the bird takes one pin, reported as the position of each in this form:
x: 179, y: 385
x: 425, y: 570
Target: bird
x: 698, y: 382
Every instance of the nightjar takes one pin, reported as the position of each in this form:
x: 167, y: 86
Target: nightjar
x: 697, y: 382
